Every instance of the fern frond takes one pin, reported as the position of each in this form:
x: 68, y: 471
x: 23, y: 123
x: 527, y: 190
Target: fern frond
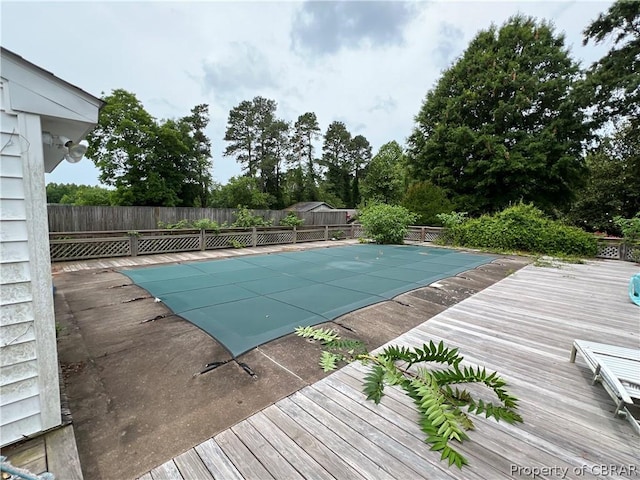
x: 329, y: 361
x: 352, y: 347
x: 498, y: 412
x: 439, y: 420
x: 324, y: 335
x: 436, y: 353
x: 394, y: 353
x: 374, y: 384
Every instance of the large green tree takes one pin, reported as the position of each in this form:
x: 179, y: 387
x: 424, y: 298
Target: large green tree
x: 336, y: 160
x: 359, y: 159
x: 200, y: 160
x: 384, y: 181
x: 613, y: 185
x: 148, y: 162
x: 88, y: 195
x: 501, y: 124
x: 56, y: 191
x: 613, y: 82
x: 427, y: 201
x: 306, y: 131
x: 260, y: 143
x: 243, y: 191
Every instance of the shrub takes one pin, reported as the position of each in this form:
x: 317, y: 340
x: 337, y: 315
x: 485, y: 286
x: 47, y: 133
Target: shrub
x: 206, y: 224
x: 245, y: 219
x: 180, y: 224
x: 202, y: 224
x: 292, y: 220
x: 427, y: 201
x: 630, y: 228
x: 523, y: 228
x: 386, y: 223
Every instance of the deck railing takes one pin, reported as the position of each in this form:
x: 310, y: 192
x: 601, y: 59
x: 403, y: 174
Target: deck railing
x: 66, y: 246
x: 617, y: 249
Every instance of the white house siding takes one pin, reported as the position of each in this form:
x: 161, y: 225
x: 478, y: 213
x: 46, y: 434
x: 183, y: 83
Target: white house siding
x: 29, y: 389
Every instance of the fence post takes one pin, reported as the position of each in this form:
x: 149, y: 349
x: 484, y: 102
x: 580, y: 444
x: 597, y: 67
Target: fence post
x: 353, y: 231
x: 203, y: 243
x: 133, y: 244
x: 422, y: 235
x: 254, y: 236
x: 326, y: 233
x: 295, y: 234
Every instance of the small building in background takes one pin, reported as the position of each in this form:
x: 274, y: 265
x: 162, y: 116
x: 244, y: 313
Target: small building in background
x: 42, y: 122
x: 307, y: 207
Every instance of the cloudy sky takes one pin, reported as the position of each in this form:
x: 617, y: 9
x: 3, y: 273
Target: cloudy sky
x: 366, y: 63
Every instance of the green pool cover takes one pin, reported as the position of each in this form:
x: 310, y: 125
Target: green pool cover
x: 244, y: 302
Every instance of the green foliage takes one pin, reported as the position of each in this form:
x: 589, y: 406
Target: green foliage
x: 260, y: 142
x: 72, y: 194
x: 427, y: 200
x: 500, y: 124
x: 630, y: 227
x: 292, y: 220
x: 207, y: 224
x: 335, y: 160
x: 245, y: 219
x: 613, y: 83
x: 523, y: 228
x: 344, y: 159
x: 149, y: 162
x: 306, y: 131
x: 242, y: 191
x: 179, y: 225
x: 336, y: 350
x: 386, y: 224
x: 336, y: 234
x: 384, y: 181
x: 444, y: 408
x: 56, y: 191
x: 613, y: 183
x: 451, y: 219
x: 202, y: 224
x: 236, y: 243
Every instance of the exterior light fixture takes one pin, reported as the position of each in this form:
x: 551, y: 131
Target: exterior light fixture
x: 73, y: 152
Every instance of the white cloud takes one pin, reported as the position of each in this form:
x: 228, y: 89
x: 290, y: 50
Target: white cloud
x: 369, y: 64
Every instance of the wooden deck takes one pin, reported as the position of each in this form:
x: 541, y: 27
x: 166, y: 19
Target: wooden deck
x: 523, y: 327
x: 53, y: 451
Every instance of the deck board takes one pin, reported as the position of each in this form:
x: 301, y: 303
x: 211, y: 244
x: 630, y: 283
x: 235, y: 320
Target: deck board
x: 523, y: 327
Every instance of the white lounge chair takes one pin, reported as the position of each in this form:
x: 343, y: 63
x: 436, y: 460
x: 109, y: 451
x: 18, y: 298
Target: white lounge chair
x: 617, y: 368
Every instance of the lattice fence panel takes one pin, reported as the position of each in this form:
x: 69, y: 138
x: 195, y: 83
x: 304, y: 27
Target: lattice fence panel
x: 271, y: 238
x: 77, y: 250
x: 226, y: 240
x: 608, y: 250
x: 168, y: 243
x: 632, y: 253
x: 412, y: 235
x: 310, y: 235
x: 339, y: 233
x: 358, y: 232
x: 431, y: 236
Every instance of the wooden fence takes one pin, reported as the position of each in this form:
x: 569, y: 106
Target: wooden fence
x: 65, y: 246
x: 70, y: 218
